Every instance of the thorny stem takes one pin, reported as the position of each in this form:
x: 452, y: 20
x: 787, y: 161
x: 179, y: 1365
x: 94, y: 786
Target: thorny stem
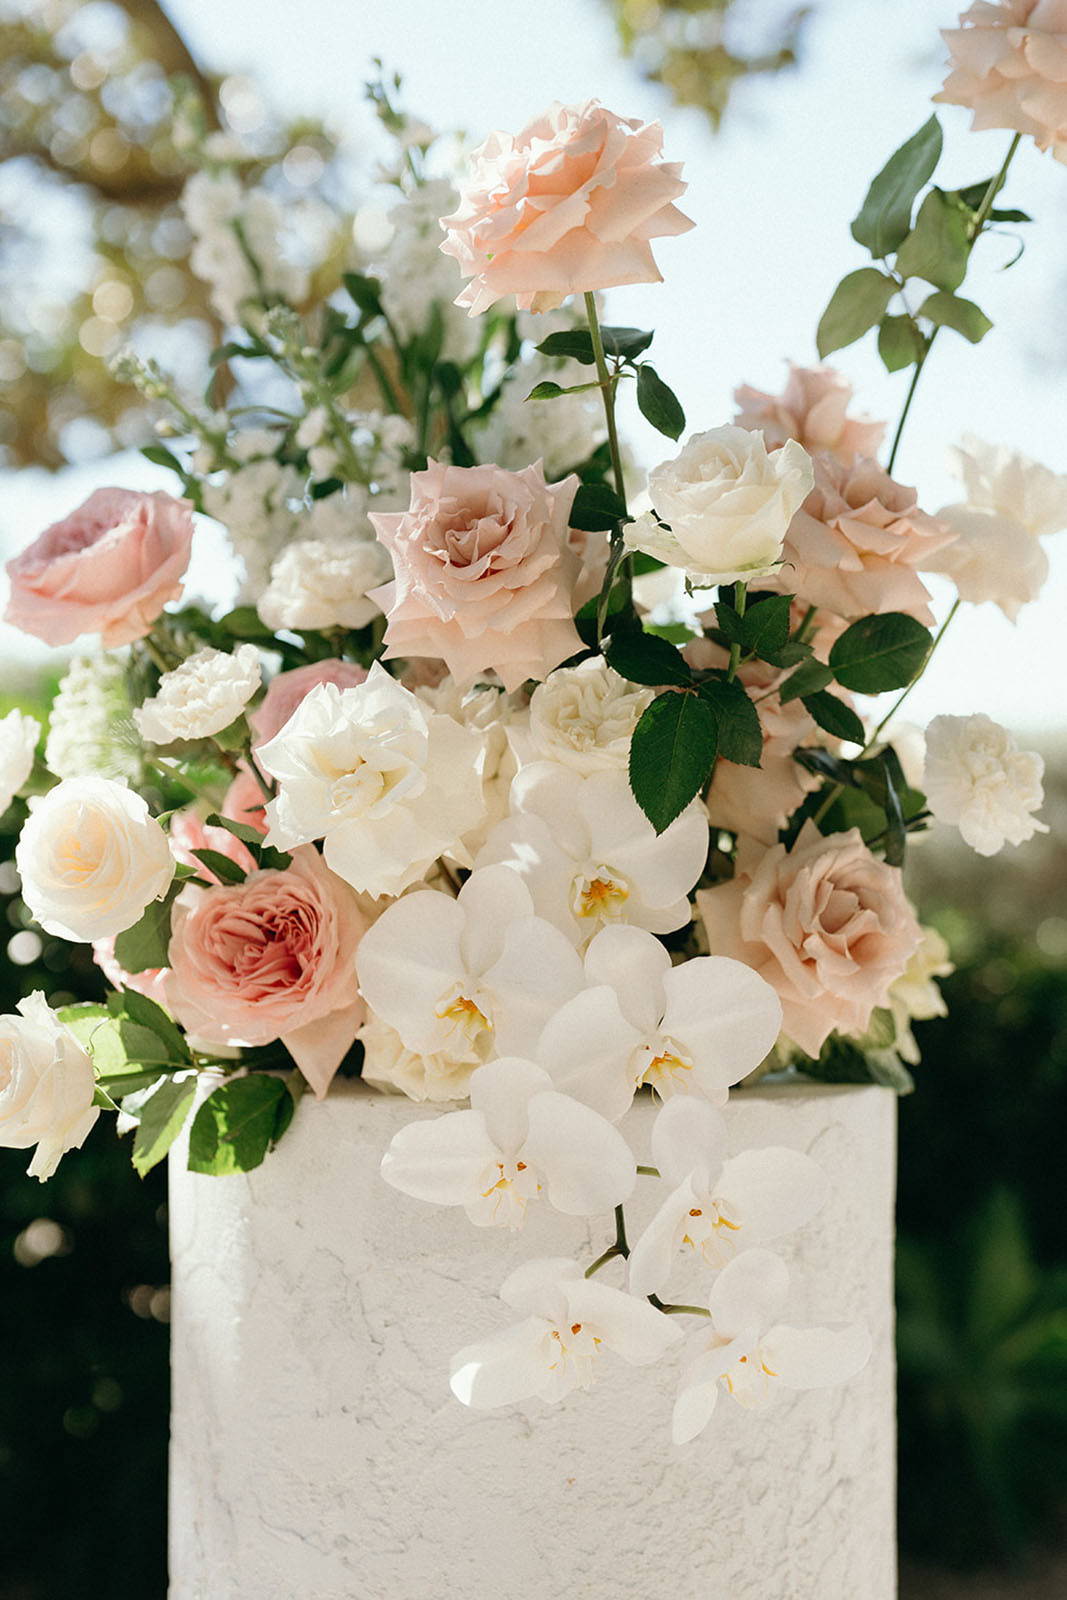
x: 607, y: 392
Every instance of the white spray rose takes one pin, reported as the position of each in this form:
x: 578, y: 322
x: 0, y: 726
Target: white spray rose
x: 18, y: 745
x: 915, y: 997
x: 46, y: 1086
x: 91, y: 858
x: 582, y: 717
x: 726, y: 502
x: 977, y: 778
x: 319, y: 583
x: 201, y: 697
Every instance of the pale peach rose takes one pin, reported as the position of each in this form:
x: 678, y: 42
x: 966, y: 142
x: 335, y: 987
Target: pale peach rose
x: 271, y: 958
x: 759, y: 800
x: 285, y: 692
x: 244, y: 800
x: 485, y: 574
x: 827, y: 924
x: 108, y: 568
x: 857, y: 542
x: 567, y: 206
x: 813, y: 410
x: 1009, y: 66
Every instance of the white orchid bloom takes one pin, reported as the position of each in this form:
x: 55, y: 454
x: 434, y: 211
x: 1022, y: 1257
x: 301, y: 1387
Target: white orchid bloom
x: 570, y: 1320
x: 750, y: 1355
x: 590, y: 856
x: 467, y: 978
x: 718, y: 1207
x: 691, y: 1029
x: 520, y: 1139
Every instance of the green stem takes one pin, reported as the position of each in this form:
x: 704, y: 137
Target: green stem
x: 607, y: 392
x: 648, y: 1172
x: 619, y: 1248
x: 740, y: 601
x: 909, y: 397
x: 683, y: 1311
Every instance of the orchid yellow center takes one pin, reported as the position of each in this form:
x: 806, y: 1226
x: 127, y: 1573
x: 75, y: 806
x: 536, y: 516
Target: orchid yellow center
x: 665, y: 1066
x: 507, y: 1188
x: 575, y: 1360
x: 465, y: 1014
x: 712, y: 1232
x: 750, y: 1380
x: 600, y: 895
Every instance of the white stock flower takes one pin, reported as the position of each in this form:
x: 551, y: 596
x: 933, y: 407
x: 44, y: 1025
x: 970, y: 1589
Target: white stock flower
x: 693, y: 1029
x: 745, y: 1351
x: 90, y: 724
x: 259, y: 505
x: 217, y: 209
x: 561, y: 433
x: 582, y: 717
x: 519, y: 1140
x: 46, y: 1086
x: 387, y: 784
x: 18, y: 746
x: 319, y: 583
x: 471, y: 977
x: 418, y: 282
x: 388, y: 1064
x: 1011, y: 503
x: 91, y: 858
x: 201, y: 697
x: 718, y: 1207
x: 590, y: 856
x: 569, y: 1322
x: 726, y: 502
x: 977, y: 778
x: 915, y: 997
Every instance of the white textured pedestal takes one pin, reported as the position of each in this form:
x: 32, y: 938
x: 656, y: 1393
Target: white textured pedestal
x: 317, y: 1453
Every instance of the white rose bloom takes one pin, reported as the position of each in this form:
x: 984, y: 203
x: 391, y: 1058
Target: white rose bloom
x: 977, y: 778
x: 582, y: 717
x: 726, y: 502
x: 91, y: 858
x: 387, y: 784
x: 1011, y: 504
x: 915, y: 997
x: 318, y: 583
x: 201, y: 697
x: 18, y: 745
x: 46, y: 1086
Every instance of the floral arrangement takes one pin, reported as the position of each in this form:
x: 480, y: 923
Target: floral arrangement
x: 519, y: 796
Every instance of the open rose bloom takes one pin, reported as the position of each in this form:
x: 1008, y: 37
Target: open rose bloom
x: 468, y: 794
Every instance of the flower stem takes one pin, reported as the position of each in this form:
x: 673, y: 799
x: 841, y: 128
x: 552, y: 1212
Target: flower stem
x: 619, y: 1248
x: 607, y: 392
x: 648, y: 1172
x: 740, y: 601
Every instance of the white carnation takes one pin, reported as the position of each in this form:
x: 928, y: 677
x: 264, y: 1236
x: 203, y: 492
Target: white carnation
x: 977, y: 778
x: 201, y: 697
x: 91, y: 858
x: 726, y: 503
x: 561, y: 433
x: 319, y: 583
x: 582, y: 717
x: 90, y: 724
x: 46, y: 1086
x: 417, y: 279
x: 18, y: 745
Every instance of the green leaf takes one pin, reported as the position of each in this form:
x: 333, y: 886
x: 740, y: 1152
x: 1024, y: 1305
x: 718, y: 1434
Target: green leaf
x: 162, y: 1118
x: 973, y: 195
x: 939, y: 245
x: 953, y: 311
x: 145, y: 1011
x: 224, y: 869
x: 858, y: 302
x: 596, y: 508
x: 144, y: 946
x: 900, y: 342
x: 364, y: 291
x: 834, y: 717
x: 885, y: 216
x: 160, y: 456
x: 120, y: 1047
x: 243, y: 622
x: 626, y: 343
x: 740, y: 736
x: 809, y: 678
x: 671, y: 755
x: 240, y: 830
x: 657, y: 403
x: 878, y: 653
x: 646, y: 658
x: 231, y: 350
x: 552, y: 391
x: 575, y: 343
x: 237, y: 1124
x: 766, y: 624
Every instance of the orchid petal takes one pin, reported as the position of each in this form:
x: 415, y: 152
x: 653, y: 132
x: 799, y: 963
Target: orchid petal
x: 748, y: 1292
x: 693, y: 1410
x: 500, y: 1091
x: 442, y: 1161
x: 652, y: 1256
x: 772, y: 1191
x: 537, y: 971
x: 491, y: 899
x: 816, y: 1358
x: 537, y: 1287
x: 586, y: 1048
x: 587, y: 1165
x: 632, y: 1328
x: 408, y: 959
x: 513, y: 1365
x: 725, y: 1015
x: 633, y: 963
x: 688, y: 1136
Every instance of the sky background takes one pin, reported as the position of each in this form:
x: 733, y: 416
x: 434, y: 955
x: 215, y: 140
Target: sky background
x: 772, y: 197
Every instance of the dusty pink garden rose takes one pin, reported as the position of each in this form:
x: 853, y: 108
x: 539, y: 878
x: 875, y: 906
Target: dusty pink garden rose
x: 271, y: 958
x: 108, y: 568
x: 567, y: 206
x: 857, y: 543
x: 813, y: 410
x: 827, y: 924
x: 285, y: 692
x: 1009, y: 66
x: 244, y: 800
x: 485, y: 573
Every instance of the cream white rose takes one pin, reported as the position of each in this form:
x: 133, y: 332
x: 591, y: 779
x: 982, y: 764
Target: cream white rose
x: 582, y: 717
x: 323, y: 583
x: 201, y: 697
x: 46, y: 1086
x: 91, y: 858
x: 18, y: 745
x: 722, y: 507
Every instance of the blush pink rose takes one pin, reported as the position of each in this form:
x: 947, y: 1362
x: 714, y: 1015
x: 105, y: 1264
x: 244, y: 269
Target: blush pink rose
x: 271, y: 958
x: 108, y: 568
x: 857, y: 542
x: 285, y: 692
x: 245, y: 801
x: 827, y: 924
x: 568, y: 205
x: 1009, y: 66
x: 485, y: 573
x: 188, y: 833
x: 152, y: 982
x: 813, y: 410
